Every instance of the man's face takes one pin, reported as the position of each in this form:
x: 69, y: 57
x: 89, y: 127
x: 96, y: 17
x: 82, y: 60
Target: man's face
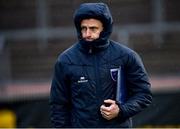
x: 91, y: 29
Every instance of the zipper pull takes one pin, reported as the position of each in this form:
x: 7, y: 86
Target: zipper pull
x: 90, y: 50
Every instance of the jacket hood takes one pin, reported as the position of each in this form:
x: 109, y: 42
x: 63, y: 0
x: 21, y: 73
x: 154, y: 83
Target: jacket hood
x: 99, y: 11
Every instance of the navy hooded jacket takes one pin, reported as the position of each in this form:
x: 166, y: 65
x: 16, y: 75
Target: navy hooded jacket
x: 83, y: 80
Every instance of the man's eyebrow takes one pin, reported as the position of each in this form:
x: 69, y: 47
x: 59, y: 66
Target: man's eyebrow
x: 93, y: 27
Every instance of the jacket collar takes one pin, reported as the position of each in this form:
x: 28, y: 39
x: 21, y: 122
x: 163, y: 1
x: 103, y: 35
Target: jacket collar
x: 92, y: 47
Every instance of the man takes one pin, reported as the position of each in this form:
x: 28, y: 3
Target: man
x: 83, y: 88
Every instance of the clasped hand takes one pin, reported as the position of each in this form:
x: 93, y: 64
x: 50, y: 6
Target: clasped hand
x: 111, y: 111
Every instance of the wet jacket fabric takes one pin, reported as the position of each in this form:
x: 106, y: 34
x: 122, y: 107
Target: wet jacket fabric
x: 82, y: 78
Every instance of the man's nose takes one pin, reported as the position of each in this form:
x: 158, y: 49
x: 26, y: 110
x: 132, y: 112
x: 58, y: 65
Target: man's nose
x: 88, y: 33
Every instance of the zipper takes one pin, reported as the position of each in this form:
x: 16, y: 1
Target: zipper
x: 98, y: 86
x: 97, y: 75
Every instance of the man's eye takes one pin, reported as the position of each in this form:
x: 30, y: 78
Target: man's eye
x: 83, y: 28
x: 94, y: 29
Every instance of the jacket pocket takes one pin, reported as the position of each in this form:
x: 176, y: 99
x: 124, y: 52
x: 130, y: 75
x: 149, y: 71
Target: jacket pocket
x: 83, y: 94
x: 83, y: 88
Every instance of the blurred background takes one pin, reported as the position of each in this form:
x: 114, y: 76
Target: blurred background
x: 34, y: 32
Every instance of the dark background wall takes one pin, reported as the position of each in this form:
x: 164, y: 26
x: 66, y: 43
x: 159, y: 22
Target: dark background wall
x: 34, y: 32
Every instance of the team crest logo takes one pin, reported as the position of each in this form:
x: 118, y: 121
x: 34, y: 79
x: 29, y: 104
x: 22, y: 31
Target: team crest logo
x: 114, y: 74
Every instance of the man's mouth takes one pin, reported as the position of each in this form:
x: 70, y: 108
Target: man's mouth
x: 89, y: 39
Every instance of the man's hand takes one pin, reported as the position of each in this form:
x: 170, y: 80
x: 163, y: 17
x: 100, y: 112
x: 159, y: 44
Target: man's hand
x: 111, y: 111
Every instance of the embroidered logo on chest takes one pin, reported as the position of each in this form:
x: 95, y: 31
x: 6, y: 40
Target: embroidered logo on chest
x: 82, y: 79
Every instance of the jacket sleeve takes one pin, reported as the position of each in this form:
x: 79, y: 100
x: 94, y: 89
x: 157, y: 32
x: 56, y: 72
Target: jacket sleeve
x: 60, y: 105
x: 138, y: 88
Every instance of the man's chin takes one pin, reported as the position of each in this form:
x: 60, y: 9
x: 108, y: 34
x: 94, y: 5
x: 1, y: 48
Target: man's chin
x: 89, y: 40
